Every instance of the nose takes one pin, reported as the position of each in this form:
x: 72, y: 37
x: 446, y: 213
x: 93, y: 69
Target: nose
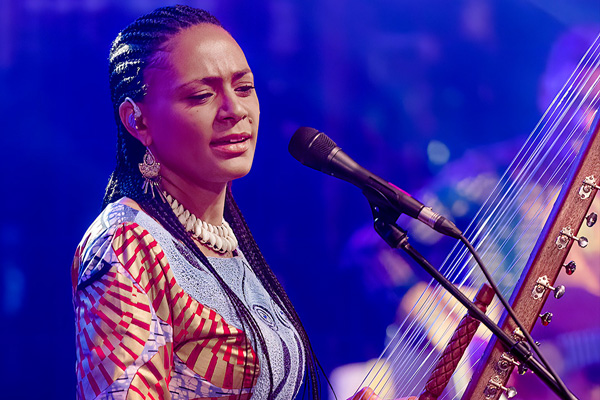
x: 232, y: 108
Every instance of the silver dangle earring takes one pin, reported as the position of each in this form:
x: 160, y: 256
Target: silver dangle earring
x: 150, y: 170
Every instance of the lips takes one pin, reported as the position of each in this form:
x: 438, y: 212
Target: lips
x: 232, y: 144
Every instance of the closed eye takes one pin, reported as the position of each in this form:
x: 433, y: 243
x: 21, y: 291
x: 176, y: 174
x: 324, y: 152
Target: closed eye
x: 201, y: 98
x: 245, y: 90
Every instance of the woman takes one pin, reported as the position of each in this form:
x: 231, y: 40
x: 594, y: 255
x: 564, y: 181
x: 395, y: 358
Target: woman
x: 173, y: 298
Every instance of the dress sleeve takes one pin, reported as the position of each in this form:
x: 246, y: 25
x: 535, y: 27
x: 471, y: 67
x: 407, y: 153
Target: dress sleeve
x: 124, y: 334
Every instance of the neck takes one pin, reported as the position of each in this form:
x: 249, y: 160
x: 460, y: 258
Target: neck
x: 206, y: 202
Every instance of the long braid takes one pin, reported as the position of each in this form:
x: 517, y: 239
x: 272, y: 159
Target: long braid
x: 260, y: 267
x: 163, y: 212
x: 134, y: 49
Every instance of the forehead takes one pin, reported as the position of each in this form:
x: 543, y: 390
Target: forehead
x: 201, y: 51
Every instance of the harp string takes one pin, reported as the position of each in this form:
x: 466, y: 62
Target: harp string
x: 559, y: 178
x: 578, y: 127
x: 520, y: 255
x: 506, y: 200
x: 560, y: 167
x: 551, y: 179
x: 542, y: 198
x: 492, y: 232
x: 438, y: 325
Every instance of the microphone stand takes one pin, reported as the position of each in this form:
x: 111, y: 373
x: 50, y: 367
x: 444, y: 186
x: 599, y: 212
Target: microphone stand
x: 396, y: 238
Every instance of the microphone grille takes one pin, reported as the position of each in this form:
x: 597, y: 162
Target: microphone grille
x: 311, y: 147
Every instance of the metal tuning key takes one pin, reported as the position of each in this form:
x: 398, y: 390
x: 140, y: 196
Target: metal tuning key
x: 546, y: 318
x: 494, y: 385
x: 566, y: 234
x: 507, y: 361
x: 542, y: 284
x: 570, y: 267
x: 588, y: 184
x: 517, y: 334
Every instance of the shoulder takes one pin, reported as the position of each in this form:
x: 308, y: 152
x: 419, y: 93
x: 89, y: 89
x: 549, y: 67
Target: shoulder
x: 120, y: 225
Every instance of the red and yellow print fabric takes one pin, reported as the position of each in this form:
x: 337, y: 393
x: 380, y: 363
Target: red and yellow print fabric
x: 114, y: 315
x: 112, y: 324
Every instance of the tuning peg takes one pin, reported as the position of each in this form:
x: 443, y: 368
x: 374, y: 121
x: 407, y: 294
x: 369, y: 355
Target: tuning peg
x: 505, y: 362
x: 517, y: 334
x: 566, y: 234
x: 542, y: 284
x: 559, y: 291
x: 546, y: 318
x: 591, y: 219
x: 570, y: 267
x: 588, y: 184
x: 495, y: 384
x: 510, y: 392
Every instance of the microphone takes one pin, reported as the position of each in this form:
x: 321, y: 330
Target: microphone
x: 316, y: 150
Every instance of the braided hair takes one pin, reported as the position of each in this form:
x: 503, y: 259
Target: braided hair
x: 134, y: 49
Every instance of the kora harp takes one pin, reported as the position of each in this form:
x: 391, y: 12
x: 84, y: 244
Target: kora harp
x: 524, y: 232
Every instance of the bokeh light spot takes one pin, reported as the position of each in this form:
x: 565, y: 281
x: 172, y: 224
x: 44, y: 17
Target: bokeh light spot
x: 438, y: 152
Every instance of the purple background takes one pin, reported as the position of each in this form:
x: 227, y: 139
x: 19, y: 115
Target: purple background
x: 389, y: 81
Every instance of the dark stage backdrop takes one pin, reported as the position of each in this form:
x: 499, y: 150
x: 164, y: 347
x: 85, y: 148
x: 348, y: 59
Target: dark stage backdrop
x: 411, y: 89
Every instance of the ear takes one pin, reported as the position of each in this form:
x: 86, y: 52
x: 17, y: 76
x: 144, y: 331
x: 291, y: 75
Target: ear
x: 135, y: 125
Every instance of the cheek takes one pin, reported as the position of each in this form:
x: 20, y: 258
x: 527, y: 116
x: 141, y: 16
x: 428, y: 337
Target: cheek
x: 183, y: 131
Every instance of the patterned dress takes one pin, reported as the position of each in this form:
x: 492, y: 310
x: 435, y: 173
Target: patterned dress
x: 153, y: 323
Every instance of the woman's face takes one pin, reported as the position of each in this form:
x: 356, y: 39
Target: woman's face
x: 200, y: 111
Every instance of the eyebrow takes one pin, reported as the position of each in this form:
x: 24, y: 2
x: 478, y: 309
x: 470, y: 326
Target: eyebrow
x: 215, y: 79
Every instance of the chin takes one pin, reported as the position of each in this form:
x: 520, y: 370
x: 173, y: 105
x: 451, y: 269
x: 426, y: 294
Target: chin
x: 239, y: 171
x: 240, y: 174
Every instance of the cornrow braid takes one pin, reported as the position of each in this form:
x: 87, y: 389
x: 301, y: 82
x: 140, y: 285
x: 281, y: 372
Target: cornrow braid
x: 134, y: 49
x: 131, y: 53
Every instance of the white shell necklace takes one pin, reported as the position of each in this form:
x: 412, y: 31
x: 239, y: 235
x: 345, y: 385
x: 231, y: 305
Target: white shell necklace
x: 218, y: 238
